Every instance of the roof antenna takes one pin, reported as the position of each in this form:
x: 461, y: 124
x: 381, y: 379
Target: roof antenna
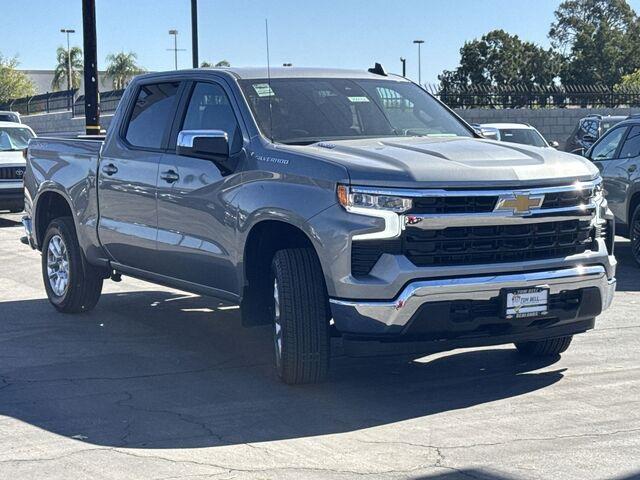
x: 271, y: 94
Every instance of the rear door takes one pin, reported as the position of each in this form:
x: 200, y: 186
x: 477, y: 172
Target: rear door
x: 128, y: 173
x: 196, y: 217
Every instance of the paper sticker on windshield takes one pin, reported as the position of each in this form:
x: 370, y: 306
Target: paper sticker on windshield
x: 358, y: 99
x: 263, y: 90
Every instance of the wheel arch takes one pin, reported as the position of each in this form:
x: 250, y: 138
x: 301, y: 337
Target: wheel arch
x: 264, y: 239
x: 50, y: 204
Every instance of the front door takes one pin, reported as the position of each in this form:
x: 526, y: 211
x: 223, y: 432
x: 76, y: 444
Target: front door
x: 127, y: 177
x: 196, y: 216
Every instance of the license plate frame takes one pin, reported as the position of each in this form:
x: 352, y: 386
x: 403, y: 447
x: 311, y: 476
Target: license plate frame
x: 524, y: 303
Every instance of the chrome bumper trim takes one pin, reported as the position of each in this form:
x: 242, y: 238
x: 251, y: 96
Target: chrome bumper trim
x: 440, y: 222
x: 397, y: 313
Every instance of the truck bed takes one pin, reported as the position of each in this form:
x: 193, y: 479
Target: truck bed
x: 65, y: 167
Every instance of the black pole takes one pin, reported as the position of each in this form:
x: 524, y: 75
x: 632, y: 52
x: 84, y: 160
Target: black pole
x: 404, y: 66
x: 91, y: 94
x: 194, y: 32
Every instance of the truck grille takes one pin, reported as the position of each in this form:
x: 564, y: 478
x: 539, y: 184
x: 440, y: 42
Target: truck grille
x: 453, y: 205
x: 11, y: 173
x: 449, y: 205
x: 478, y: 245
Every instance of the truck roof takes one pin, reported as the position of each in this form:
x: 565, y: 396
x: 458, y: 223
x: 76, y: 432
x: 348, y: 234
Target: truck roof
x: 252, y: 73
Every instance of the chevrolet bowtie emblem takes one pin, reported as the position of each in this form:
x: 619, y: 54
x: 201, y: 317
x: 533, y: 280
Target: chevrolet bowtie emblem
x: 520, y: 204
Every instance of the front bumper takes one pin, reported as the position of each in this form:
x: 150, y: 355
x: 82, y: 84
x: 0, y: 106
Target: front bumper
x: 396, y: 317
x: 11, y: 195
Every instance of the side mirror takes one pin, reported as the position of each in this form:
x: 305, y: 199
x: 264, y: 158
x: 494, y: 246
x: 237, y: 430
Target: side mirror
x: 555, y: 144
x: 206, y: 144
x: 490, y: 134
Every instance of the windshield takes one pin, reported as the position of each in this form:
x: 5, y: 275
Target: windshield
x: 527, y: 136
x: 308, y: 110
x: 12, y: 138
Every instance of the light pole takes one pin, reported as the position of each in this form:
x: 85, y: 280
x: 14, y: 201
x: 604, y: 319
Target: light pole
x: 194, y: 33
x: 419, y: 43
x: 404, y: 66
x: 68, y: 31
x: 174, y: 32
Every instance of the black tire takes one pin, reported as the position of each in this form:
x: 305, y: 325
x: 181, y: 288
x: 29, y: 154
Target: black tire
x: 634, y: 234
x: 545, y: 348
x: 84, y: 284
x: 302, y: 356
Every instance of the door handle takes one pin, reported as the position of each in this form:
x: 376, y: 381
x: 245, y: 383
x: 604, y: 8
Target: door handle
x: 110, y: 169
x: 170, y: 176
x: 632, y: 168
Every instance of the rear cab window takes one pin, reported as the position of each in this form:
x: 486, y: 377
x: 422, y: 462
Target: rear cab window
x: 152, y: 115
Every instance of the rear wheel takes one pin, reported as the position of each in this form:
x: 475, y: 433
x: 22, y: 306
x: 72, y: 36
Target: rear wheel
x: 72, y: 284
x: 634, y: 228
x: 545, y: 348
x: 300, y: 317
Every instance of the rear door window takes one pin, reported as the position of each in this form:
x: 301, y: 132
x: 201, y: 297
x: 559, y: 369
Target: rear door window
x: 152, y: 115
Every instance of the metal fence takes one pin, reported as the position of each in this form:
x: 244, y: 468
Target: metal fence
x: 520, y: 96
x: 66, y: 100
x: 472, y: 96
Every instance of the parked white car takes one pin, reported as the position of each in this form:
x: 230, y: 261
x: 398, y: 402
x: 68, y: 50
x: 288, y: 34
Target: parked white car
x: 7, y: 116
x: 14, y: 138
x: 519, y: 133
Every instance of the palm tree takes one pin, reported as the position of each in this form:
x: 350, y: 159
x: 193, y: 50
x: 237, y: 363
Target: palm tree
x: 221, y: 63
x: 60, y: 74
x: 122, y: 67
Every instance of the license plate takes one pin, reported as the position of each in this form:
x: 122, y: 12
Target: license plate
x: 526, y: 303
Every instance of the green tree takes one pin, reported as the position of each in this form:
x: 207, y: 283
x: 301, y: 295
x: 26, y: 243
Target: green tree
x: 501, y: 59
x: 631, y: 80
x: 122, y: 67
x: 13, y: 83
x: 60, y: 73
x: 599, y: 40
x: 221, y: 63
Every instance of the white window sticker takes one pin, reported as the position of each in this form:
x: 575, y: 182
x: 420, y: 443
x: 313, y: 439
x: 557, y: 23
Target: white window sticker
x: 358, y: 99
x: 263, y: 90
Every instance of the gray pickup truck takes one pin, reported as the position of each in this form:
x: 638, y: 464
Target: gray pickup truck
x: 326, y: 203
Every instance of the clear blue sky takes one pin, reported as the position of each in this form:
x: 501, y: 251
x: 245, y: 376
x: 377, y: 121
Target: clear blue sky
x: 339, y: 33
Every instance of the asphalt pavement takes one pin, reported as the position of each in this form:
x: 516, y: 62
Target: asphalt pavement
x: 157, y: 383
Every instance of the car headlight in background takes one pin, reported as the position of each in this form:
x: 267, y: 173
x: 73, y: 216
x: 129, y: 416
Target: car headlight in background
x: 365, y: 198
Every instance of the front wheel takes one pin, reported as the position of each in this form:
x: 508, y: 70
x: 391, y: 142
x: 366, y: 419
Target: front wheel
x: 72, y: 284
x: 545, y: 348
x: 634, y: 228
x: 300, y: 315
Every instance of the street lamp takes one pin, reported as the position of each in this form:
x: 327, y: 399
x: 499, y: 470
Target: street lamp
x: 287, y: 64
x: 404, y: 66
x: 174, y: 32
x: 68, y: 31
x: 419, y: 43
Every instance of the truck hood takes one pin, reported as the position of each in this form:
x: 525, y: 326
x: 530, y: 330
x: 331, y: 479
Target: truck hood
x: 12, y: 158
x: 419, y: 162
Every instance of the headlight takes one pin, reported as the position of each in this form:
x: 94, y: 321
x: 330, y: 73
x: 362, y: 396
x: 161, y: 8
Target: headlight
x: 368, y: 198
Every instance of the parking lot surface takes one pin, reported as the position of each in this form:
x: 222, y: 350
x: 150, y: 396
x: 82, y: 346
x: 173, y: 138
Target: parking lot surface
x: 156, y: 383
